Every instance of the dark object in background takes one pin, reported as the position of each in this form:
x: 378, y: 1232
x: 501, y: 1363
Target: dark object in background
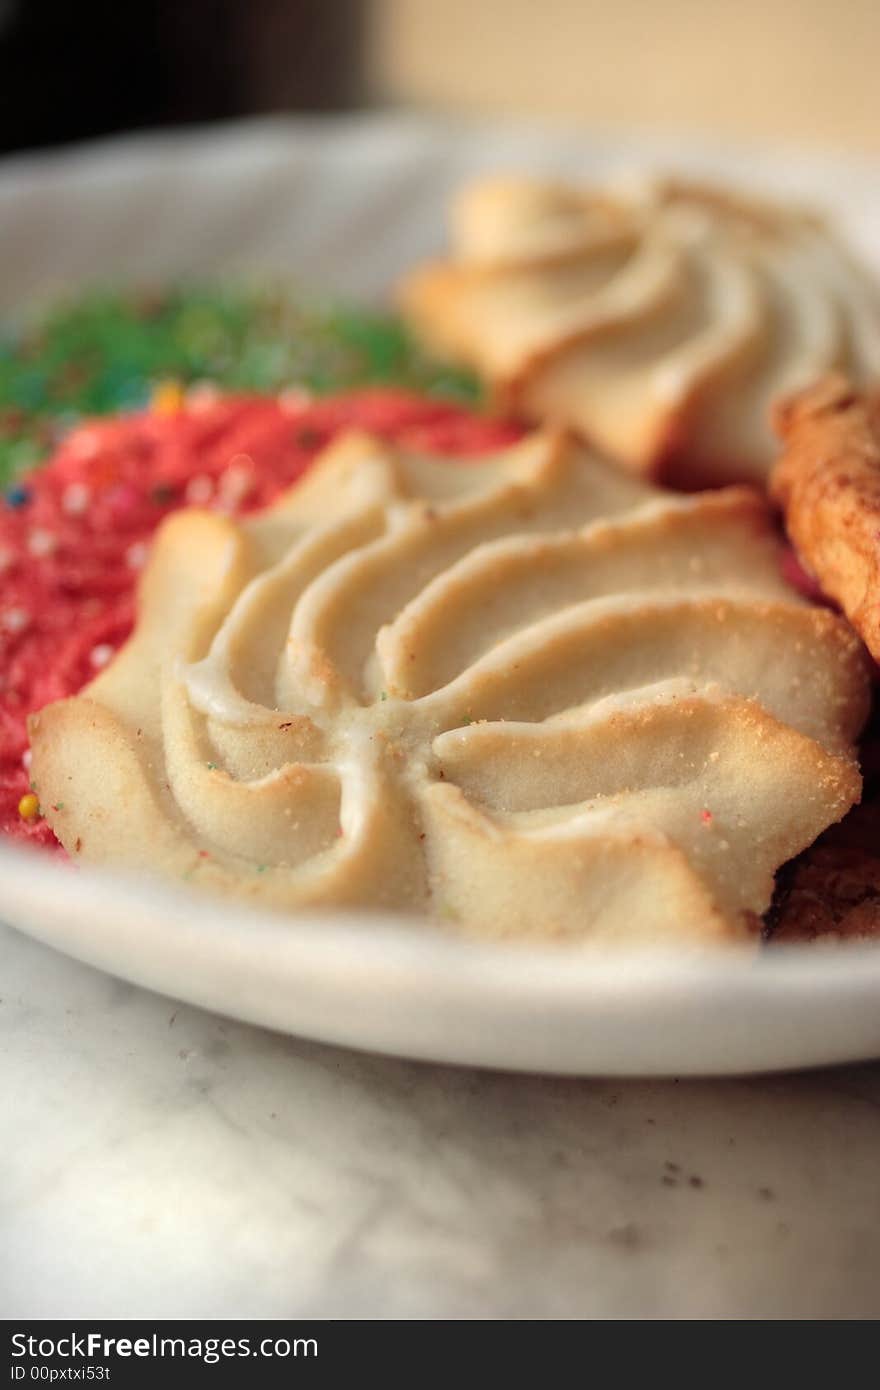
x: 69, y: 71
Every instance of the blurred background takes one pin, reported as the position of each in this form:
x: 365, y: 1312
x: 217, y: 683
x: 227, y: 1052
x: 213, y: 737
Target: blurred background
x: 798, y: 70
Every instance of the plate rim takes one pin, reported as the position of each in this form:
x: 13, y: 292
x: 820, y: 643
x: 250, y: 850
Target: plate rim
x: 399, y: 984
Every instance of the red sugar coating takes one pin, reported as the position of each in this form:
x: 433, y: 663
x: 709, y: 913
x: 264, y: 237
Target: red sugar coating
x: 70, y: 554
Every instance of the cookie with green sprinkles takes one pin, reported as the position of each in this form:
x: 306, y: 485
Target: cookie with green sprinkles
x: 106, y: 351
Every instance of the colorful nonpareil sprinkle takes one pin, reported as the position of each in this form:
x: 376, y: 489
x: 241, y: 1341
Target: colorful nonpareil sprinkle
x: 167, y: 398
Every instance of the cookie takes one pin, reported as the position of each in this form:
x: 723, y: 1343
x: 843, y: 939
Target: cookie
x: 527, y: 696
x: 661, y: 325
x: 827, y: 481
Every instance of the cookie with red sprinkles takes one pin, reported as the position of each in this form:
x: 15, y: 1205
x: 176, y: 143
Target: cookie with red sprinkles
x: 74, y: 536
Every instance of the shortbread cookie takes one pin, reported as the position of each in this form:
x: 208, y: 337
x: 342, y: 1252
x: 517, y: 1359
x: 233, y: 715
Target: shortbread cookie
x: 661, y: 326
x: 528, y: 696
x: 827, y: 481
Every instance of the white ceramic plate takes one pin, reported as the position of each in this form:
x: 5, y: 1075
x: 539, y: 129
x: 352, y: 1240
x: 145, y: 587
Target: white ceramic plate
x: 347, y: 205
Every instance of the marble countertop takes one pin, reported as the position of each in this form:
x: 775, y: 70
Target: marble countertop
x: 162, y: 1162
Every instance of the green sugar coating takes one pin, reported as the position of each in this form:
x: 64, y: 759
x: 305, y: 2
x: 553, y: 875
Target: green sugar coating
x: 105, y: 350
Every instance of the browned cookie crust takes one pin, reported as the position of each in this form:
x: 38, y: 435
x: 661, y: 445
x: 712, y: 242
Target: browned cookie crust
x: 827, y: 481
x: 832, y: 891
